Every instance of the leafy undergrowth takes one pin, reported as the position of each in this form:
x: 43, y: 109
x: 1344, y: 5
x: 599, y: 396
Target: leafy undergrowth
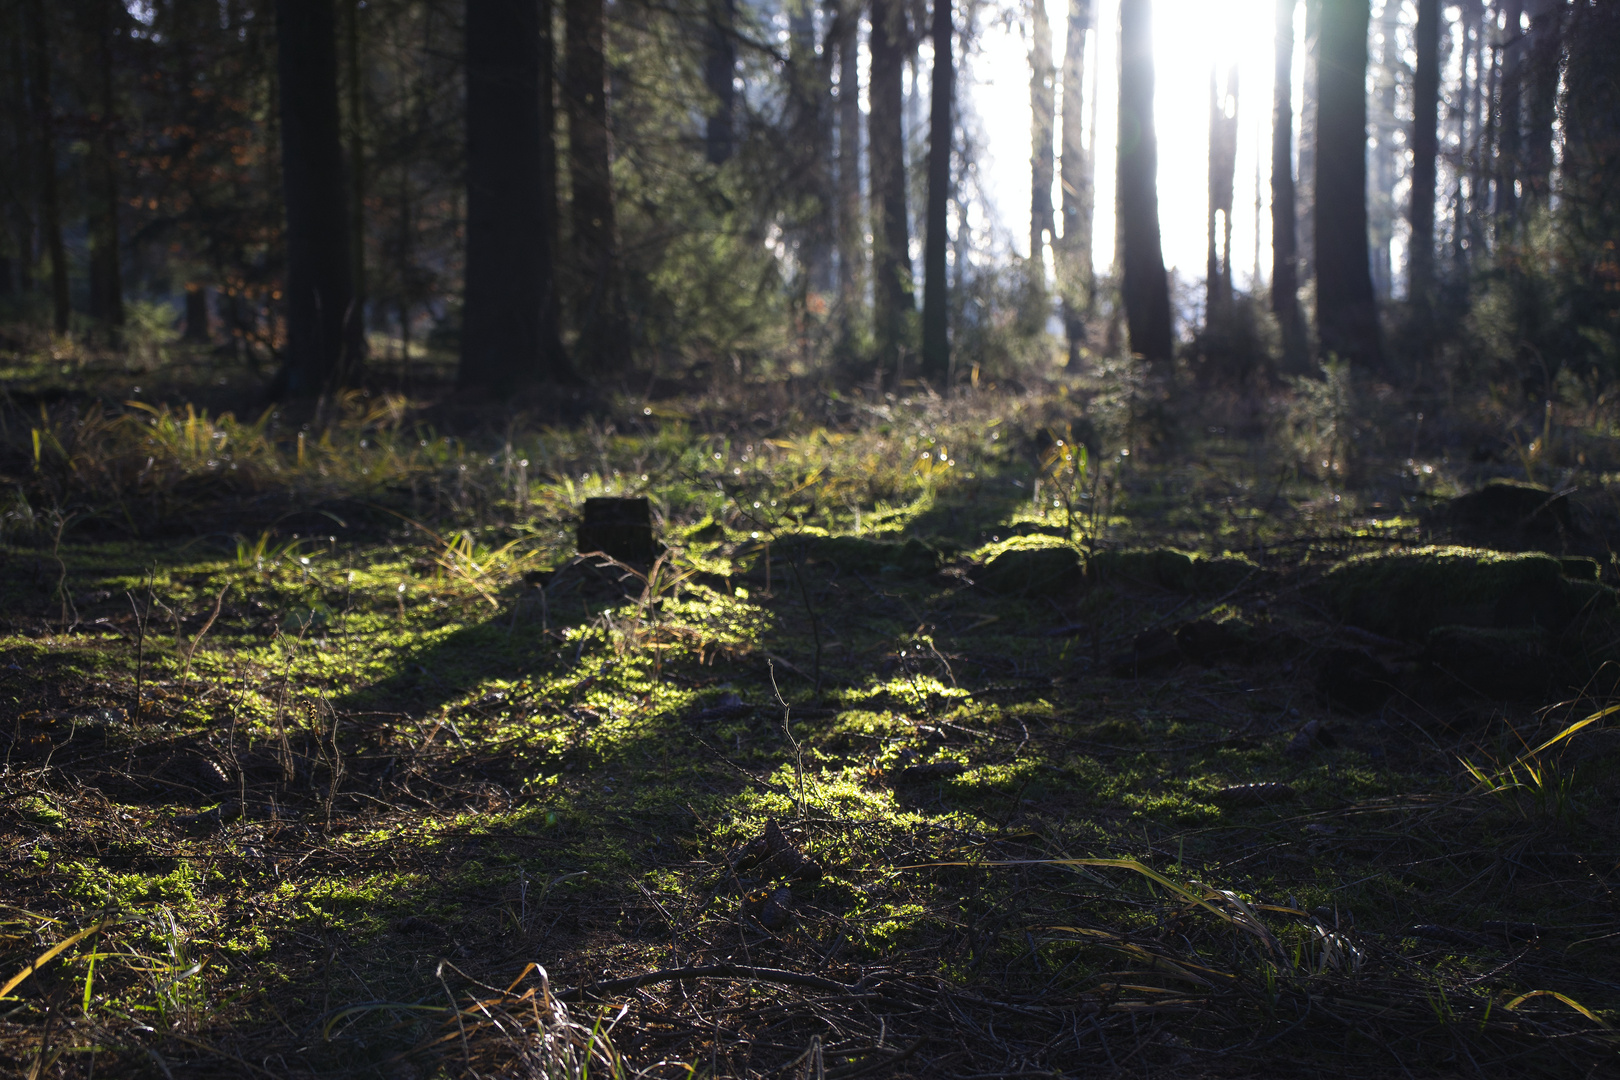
x: 411, y: 793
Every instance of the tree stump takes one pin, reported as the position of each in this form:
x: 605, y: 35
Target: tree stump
x: 619, y: 528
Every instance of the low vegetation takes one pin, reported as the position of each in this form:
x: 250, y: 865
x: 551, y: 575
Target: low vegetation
x: 999, y: 735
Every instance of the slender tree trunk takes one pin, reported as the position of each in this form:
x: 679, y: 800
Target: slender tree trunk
x: 1284, y: 204
x: 1541, y: 97
x: 509, y: 329
x: 719, y: 75
x: 1346, y: 311
x: 324, y: 344
x: 602, y: 343
x: 18, y: 218
x: 810, y: 120
x: 1509, y: 122
x: 936, y: 353
x: 1146, y: 288
x: 1468, y: 137
x: 851, y: 228
x: 1425, y: 158
x: 1223, y: 134
x: 197, y: 314
x: 1043, y: 108
x: 1308, y: 113
x: 1074, y: 181
x: 891, y: 239
x: 1388, y: 146
x: 357, y: 157
x: 42, y: 106
x: 106, y: 277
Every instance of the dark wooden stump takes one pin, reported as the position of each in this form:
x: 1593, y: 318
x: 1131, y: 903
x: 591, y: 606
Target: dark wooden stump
x: 620, y: 528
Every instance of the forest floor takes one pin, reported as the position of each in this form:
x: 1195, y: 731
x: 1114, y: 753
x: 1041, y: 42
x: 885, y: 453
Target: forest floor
x: 326, y: 757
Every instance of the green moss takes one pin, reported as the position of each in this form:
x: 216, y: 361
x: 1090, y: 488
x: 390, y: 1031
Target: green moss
x: 1024, y: 565
x: 859, y: 554
x: 1408, y: 593
x: 1177, y: 571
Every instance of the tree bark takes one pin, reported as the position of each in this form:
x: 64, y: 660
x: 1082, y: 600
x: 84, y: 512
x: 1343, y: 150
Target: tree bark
x: 323, y: 325
x: 936, y: 352
x: 1425, y: 155
x: 509, y: 326
x: 1541, y: 97
x: 719, y: 75
x: 357, y: 157
x: 602, y: 343
x: 42, y: 106
x: 197, y: 314
x: 1043, y: 108
x: 851, y: 230
x: 886, y: 149
x: 1284, y: 204
x: 1510, y: 105
x: 1223, y: 133
x: 106, y: 277
x: 1146, y: 288
x: 1468, y: 138
x: 811, y: 144
x: 1074, y: 182
x: 1346, y: 311
x: 1386, y: 151
x: 1307, y: 140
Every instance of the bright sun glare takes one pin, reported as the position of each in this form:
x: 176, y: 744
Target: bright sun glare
x: 1189, y: 37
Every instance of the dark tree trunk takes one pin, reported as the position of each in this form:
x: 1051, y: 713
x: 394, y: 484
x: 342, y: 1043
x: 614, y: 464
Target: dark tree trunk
x: 1074, y: 181
x: 357, y: 158
x: 891, y: 234
x: 1468, y: 137
x: 1346, y: 312
x: 197, y: 314
x: 106, y: 277
x: 1043, y: 109
x: 1541, y: 97
x: 719, y: 74
x: 1308, y: 112
x: 851, y: 230
x: 936, y: 353
x: 50, y: 207
x: 1284, y: 204
x: 1425, y: 155
x: 1591, y: 168
x: 602, y: 344
x: 810, y: 86
x: 1509, y: 121
x: 509, y: 328
x: 323, y: 325
x: 1223, y: 133
x: 1146, y: 288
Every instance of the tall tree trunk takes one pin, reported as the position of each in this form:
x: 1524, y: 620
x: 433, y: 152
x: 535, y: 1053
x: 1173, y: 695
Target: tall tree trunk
x: 1146, y: 288
x: 1223, y: 139
x: 851, y: 228
x: 1468, y: 135
x: 106, y: 277
x: 1043, y: 108
x: 936, y: 351
x: 719, y: 75
x: 1284, y: 205
x: 1308, y: 114
x: 1541, y: 97
x: 197, y: 314
x: 1425, y: 157
x: 1346, y: 311
x: 1509, y: 122
x: 1074, y: 182
x: 602, y: 343
x: 509, y: 329
x: 891, y: 234
x: 323, y: 326
x: 810, y: 124
x: 1388, y: 148
x: 357, y: 157
x: 50, y: 207
x: 1485, y: 146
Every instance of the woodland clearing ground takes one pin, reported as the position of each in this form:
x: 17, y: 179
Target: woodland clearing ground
x: 398, y: 773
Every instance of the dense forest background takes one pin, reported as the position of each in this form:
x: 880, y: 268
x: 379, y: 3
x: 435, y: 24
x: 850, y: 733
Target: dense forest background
x: 591, y: 191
